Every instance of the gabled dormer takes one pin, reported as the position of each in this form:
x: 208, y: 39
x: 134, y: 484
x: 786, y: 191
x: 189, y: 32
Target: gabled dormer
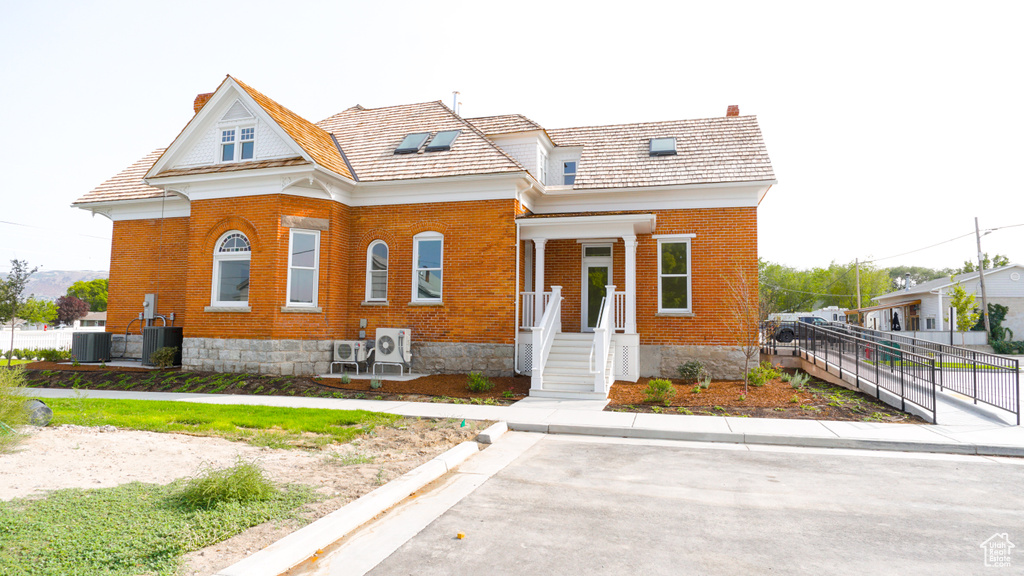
x: 238, y: 128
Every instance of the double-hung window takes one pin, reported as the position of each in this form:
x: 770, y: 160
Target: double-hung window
x: 231, y: 257
x: 303, y: 267
x: 428, y: 259
x: 377, y: 271
x: 674, y: 274
x: 237, y: 144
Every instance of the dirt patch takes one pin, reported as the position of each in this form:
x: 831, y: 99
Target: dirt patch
x: 434, y: 387
x: 82, y: 457
x: 816, y: 400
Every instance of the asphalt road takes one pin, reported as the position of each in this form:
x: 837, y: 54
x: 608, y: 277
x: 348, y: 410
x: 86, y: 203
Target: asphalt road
x: 572, y: 505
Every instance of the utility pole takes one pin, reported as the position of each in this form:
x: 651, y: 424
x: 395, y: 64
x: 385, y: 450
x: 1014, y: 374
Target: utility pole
x: 857, y: 263
x: 981, y: 277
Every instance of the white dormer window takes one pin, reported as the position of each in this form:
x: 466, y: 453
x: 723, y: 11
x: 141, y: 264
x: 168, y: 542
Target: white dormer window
x: 569, y: 173
x: 237, y: 144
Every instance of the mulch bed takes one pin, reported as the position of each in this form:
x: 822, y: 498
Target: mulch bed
x: 431, y: 388
x: 777, y: 399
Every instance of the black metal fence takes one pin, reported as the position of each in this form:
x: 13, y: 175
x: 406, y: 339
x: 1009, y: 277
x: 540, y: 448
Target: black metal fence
x: 909, y: 368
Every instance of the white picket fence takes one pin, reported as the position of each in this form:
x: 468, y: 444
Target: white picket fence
x: 40, y: 339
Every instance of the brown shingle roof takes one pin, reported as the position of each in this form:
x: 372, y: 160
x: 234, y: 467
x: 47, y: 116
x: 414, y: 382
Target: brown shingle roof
x: 128, y: 184
x: 504, y: 124
x: 709, y: 150
x: 316, y: 142
x: 369, y: 137
x: 235, y: 166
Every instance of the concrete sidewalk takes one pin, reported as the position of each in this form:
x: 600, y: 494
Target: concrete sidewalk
x: 587, y: 418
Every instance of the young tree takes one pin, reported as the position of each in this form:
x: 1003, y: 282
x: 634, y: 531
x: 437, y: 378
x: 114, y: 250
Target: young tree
x: 70, y: 309
x: 36, y: 311
x: 745, y: 316
x: 12, y: 294
x: 966, y: 309
x: 971, y: 266
x: 94, y: 292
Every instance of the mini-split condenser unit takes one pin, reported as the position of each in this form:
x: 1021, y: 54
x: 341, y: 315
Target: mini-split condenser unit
x: 350, y: 351
x: 393, y: 346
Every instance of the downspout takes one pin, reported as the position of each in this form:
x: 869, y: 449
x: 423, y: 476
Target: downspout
x: 515, y: 295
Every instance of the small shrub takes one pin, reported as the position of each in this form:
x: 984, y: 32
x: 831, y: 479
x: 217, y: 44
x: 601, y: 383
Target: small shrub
x: 704, y: 382
x: 799, y: 379
x: 478, y: 383
x: 53, y: 354
x: 795, y: 399
x: 508, y: 394
x: 346, y: 379
x: 1008, y: 346
x: 761, y: 375
x: 660, y: 391
x: 164, y: 357
x: 243, y: 482
x: 692, y: 370
x: 376, y: 384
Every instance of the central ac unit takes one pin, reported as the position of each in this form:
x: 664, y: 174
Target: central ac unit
x: 349, y: 351
x: 393, y: 345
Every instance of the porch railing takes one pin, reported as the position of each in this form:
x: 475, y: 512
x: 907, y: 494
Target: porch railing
x: 529, y: 308
x: 544, y: 333
x: 620, y: 311
x: 602, y: 342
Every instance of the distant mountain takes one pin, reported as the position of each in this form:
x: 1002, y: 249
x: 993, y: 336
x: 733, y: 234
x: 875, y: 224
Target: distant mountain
x: 52, y: 284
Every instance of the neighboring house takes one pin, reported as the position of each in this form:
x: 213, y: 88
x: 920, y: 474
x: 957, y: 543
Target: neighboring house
x: 925, y: 308
x: 93, y: 319
x: 269, y: 236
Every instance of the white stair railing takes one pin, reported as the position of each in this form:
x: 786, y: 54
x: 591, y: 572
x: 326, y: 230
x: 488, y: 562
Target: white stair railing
x: 544, y: 333
x: 602, y: 342
x: 529, y: 305
x: 620, y: 312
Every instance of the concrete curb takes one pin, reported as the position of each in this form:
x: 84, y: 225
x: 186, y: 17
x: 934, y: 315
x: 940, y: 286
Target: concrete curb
x: 771, y: 439
x: 492, y: 433
x: 304, y: 543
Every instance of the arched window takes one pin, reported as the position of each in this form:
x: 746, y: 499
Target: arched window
x: 377, y: 271
x: 428, y: 264
x: 231, y: 270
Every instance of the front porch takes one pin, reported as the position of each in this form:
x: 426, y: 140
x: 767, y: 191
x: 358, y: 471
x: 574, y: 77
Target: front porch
x: 576, y: 333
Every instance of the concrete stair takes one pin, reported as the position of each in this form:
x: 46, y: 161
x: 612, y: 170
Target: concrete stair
x: 567, y: 372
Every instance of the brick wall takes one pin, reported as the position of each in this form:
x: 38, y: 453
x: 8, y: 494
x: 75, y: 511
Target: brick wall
x: 146, y: 257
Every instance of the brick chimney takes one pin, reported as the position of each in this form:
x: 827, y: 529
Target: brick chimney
x: 201, y: 101
x: 733, y: 110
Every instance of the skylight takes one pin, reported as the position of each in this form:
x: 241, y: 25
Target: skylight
x: 411, y: 143
x: 663, y: 146
x: 443, y: 141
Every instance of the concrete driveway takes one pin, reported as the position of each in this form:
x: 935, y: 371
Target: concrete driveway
x: 581, y: 505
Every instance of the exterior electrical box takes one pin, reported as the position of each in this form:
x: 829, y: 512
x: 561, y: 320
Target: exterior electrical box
x: 91, y: 346
x: 157, y: 337
x: 149, y: 307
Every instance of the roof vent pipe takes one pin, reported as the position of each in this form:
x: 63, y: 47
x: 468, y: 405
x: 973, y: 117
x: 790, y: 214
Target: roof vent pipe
x: 906, y: 281
x: 455, y: 101
x: 733, y: 110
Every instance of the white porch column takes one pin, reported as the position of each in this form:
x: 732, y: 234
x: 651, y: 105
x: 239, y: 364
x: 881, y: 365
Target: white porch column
x: 629, y: 243
x: 938, y: 309
x: 538, y: 277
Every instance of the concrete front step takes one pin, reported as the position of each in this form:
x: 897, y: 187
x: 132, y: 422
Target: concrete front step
x: 567, y: 395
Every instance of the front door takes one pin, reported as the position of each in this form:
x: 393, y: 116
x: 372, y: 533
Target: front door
x: 597, y: 273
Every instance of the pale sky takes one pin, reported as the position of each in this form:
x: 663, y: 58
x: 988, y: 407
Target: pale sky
x: 890, y: 125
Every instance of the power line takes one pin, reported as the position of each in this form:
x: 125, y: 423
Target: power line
x: 987, y: 230
x: 52, y: 230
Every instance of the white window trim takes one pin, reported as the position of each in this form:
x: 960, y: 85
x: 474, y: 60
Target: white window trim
x: 219, y: 257
x: 316, y: 269
x: 369, y: 272
x: 237, y: 141
x: 677, y: 239
x: 573, y: 173
x: 416, y: 269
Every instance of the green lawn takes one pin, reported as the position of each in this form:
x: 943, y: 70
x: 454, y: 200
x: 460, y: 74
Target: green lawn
x: 257, y: 425
x: 131, y: 529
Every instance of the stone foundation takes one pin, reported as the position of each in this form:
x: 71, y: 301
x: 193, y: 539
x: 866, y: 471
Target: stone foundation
x: 132, y: 348
x: 312, y: 357
x: 454, y: 358
x: 723, y: 362
x: 276, y: 357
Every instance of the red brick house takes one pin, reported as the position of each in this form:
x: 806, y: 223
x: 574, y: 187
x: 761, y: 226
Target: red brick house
x: 495, y: 241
